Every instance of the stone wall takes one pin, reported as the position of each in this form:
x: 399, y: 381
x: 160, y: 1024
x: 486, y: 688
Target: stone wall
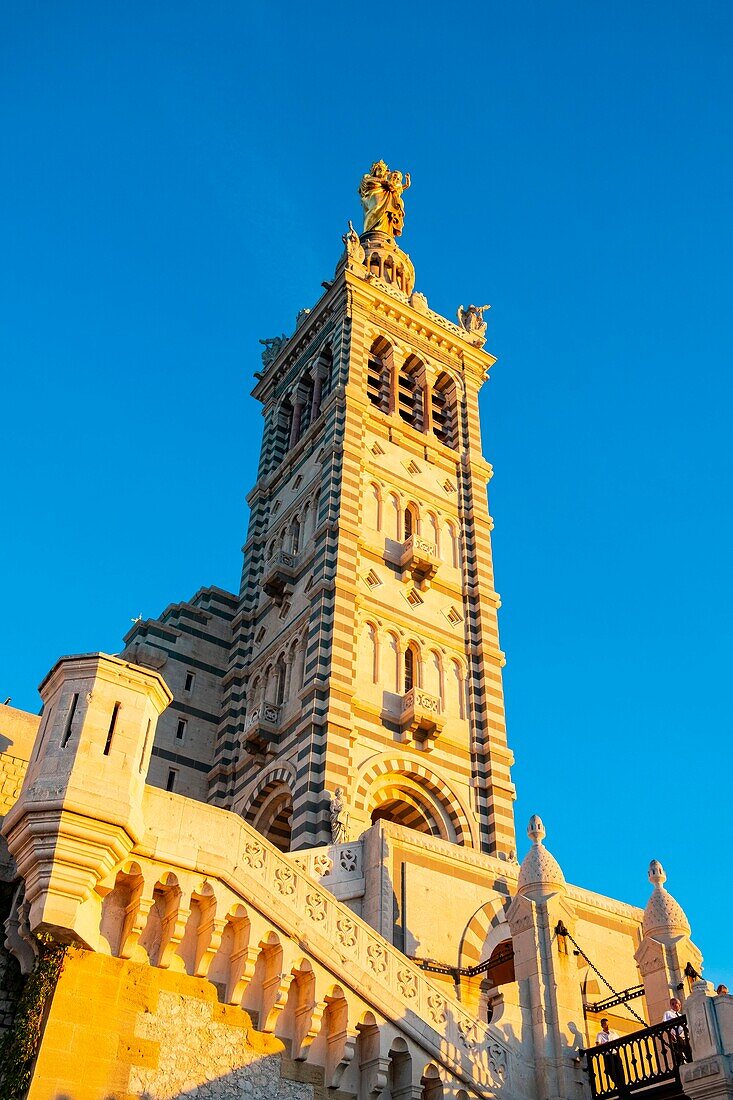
x: 145, y: 1032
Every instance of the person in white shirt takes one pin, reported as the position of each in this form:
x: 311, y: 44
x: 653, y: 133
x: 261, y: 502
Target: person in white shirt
x: 612, y: 1060
x: 677, y: 1035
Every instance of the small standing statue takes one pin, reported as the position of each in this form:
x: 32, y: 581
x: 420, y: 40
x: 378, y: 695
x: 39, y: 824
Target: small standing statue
x: 381, y: 197
x: 339, y: 818
x: 354, y: 252
x: 472, y: 320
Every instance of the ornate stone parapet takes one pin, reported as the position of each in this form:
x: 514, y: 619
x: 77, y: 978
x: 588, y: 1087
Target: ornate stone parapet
x: 279, y: 573
x: 419, y: 559
x: 262, y: 728
x: 340, y: 867
x: 421, y: 716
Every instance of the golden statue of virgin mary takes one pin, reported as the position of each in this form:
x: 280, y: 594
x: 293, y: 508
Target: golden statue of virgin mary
x: 381, y: 197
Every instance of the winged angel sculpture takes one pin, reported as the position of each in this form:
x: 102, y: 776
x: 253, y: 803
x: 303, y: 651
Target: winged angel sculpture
x: 472, y: 320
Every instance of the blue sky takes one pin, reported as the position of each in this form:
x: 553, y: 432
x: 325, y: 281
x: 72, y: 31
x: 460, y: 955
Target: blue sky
x: 176, y: 181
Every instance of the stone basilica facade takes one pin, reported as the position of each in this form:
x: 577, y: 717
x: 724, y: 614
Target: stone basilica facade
x: 275, y: 835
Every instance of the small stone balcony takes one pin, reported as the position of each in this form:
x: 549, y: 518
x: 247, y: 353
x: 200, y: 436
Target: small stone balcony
x: 418, y: 559
x: 421, y: 716
x: 279, y: 572
x: 262, y: 729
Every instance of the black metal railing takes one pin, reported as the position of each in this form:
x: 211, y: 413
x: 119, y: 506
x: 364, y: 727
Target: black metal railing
x: 646, y: 1058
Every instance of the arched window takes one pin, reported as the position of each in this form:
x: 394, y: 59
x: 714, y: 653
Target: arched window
x: 434, y: 675
x: 393, y: 670
x: 372, y: 509
x: 295, y: 536
x: 411, y: 518
x: 369, y: 654
x: 412, y: 668
x: 280, y: 674
x: 283, y: 430
x: 454, y: 552
x: 304, y: 398
x: 444, y: 411
x: 379, y: 370
x: 411, y: 397
x: 435, y: 531
x: 392, y: 517
x: 457, y: 690
x: 323, y: 380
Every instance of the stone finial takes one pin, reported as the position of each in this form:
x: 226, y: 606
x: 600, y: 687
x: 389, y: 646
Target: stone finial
x: 663, y: 916
x: 657, y: 874
x: 540, y: 874
x: 536, y: 830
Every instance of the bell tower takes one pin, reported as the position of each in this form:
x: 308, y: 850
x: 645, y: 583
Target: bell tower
x: 366, y: 652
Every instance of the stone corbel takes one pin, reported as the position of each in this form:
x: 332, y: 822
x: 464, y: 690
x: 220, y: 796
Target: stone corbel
x: 275, y: 991
x: 242, y: 967
x: 339, y: 1057
x: 136, y: 919
x: 375, y: 1075
x: 308, y: 1017
x: 209, y: 942
x: 18, y: 938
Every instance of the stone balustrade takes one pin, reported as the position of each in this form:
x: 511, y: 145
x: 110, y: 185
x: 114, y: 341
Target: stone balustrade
x: 421, y: 715
x: 418, y: 558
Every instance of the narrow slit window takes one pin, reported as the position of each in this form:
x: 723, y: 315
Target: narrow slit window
x: 111, y: 730
x: 409, y: 670
x: 171, y: 780
x: 181, y: 729
x: 190, y: 677
x: 70, y: 719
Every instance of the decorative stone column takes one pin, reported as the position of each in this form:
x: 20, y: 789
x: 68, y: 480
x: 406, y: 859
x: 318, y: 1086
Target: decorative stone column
x: 666, y: 948
x: 80, y: 810
x: 546, y: 974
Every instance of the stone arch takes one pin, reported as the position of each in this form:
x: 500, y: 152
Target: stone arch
x: 379, y: 374
x: 389, y: 768
x: 411, y: 392
x: 444, y: 407
x: 400, y: 1070
x: 432, y: 1083
x: 404, y: 803
x: 269, y: 804
x: 486, y: 928
x: 283, y: 429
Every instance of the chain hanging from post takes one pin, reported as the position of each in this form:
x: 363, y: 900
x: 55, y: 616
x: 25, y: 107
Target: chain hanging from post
x: 561, y: 930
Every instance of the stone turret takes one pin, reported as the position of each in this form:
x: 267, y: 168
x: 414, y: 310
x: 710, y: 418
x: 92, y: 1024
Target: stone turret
x: 666, y: 949
x: 80, y: 809
x: 546, y: 974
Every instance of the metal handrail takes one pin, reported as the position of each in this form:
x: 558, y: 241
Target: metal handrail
x: 647, y: 1057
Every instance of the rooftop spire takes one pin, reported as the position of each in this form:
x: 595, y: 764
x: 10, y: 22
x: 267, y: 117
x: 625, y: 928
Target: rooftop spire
x: 663, y: 915
x: 540, y: 872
